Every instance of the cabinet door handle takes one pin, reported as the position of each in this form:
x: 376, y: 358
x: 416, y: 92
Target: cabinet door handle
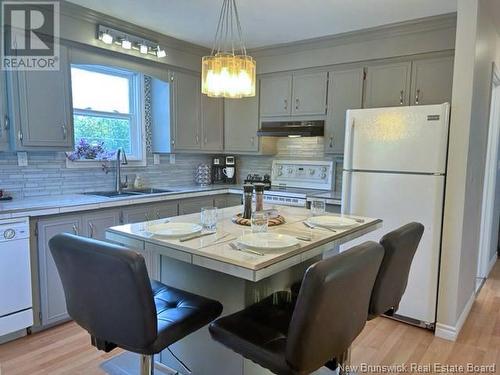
x: 197, y: 139
x: 297, y: 103
x: 20, y: 135
x: 91, y: 230
x: 401, y: 97
x: 75, y: 230
x: 146, y: 216
x: 64, y: 132
x: 286, y: 104
x: 252, y: 140
x: 417, y: 97
x: 6, y: 123
x: 205, y: 140
x: 157, y: 212
x: 331, y: 142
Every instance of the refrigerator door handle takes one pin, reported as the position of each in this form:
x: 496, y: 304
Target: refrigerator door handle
x: 348, y: 155
x: 346, y: 192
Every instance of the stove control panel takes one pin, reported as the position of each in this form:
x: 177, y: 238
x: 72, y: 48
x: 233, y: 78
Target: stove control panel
x: 305, y: 174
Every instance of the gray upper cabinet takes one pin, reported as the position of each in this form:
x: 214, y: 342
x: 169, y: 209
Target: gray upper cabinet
x: 387, y: 85
x: 345, y: 91
x: 187, y: 124
x: 241, y: 122
x: 275, y: 96
x: 4, y: 117
x: 41, y: 108
x: 432, y: 81
x: 309, y: 94
x: 212, y: 123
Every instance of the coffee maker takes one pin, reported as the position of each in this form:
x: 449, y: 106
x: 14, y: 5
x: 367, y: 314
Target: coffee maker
x: 218, y: 164
x: 229, y: 170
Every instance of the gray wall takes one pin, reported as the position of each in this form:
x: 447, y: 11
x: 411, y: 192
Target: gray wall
x: 409, y: 38
x: 475, y: 51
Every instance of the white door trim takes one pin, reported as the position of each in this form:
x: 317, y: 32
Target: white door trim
x: 484, y: 264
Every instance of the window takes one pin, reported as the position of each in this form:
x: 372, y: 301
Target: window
x: 107, y: 112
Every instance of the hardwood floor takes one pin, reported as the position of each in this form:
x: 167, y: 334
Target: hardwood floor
x: 66, y: 349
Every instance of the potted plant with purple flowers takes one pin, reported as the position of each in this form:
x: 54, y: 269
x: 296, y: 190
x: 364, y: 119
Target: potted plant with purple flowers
x: 90, y: 151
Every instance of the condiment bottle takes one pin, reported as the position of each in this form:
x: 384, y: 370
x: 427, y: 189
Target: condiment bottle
x: 247, y: 200
x: 259, y: 196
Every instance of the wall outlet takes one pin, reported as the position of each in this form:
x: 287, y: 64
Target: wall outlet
x: 156, y: 159
x: 22, y: 159
x: 172, y: 158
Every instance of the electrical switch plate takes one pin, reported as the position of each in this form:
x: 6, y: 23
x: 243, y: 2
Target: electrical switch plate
x: 156, y: 159
x: 22, y: 159
x: 172, y: 158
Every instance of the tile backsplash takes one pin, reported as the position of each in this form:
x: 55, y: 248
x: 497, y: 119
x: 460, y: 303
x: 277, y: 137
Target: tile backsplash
x: 46, y: 174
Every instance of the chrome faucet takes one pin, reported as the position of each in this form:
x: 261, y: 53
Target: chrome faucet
x: 119, y: 186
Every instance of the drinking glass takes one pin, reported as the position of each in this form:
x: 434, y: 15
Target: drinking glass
x: 208, y: 218
x: 259, y: 222
x: 317, y: 207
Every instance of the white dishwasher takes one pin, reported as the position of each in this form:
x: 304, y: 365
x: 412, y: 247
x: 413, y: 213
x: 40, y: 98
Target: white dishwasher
x: 16, y: 301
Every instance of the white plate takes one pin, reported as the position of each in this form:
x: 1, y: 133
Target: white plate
x: 267, y: 241
x: 174, y: 229
x: 335, y: 222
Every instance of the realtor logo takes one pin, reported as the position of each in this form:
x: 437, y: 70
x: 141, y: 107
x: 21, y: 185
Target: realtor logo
x: 30, y: 35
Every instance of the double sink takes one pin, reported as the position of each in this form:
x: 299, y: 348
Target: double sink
x: 126, y: 193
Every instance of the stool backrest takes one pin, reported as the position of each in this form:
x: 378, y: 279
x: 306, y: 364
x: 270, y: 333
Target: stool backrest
x: 332, y: 306
x: 107, y: 289
x: 400, y: 246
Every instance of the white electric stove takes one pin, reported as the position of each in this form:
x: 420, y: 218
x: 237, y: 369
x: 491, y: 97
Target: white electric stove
x: 292, y: 181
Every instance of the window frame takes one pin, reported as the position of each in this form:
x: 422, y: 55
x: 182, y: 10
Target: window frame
x: 136, y: 114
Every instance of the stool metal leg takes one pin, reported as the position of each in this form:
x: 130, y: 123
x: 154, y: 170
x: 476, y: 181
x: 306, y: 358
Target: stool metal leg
x: 147, y: 365
x: 345, y: 362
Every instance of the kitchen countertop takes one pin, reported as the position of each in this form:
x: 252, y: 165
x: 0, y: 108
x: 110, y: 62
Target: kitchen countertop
x: 67, y: 203
x: 209, y: 253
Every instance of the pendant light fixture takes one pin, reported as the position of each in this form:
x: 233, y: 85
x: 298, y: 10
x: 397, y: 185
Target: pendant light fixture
x: 228, y: 72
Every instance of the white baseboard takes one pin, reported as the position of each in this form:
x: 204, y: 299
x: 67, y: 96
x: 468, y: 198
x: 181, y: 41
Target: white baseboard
x: 450, y: 333
x: 491, y: 264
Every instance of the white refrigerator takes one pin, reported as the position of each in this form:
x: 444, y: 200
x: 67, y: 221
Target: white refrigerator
x: 395, y: 170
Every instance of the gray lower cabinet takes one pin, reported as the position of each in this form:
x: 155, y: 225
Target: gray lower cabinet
x: 227, y: 200
x: 388, y: 85
x: 186, y: 116
x: 150, y: 211
x: 52, y: 299
x: 4, y: 117
x: 432, y: 81
x: 345, y: 91
x: 31, y: 94
x: 241, y: 123
x: 94, y: 225
x: 333, y: 208
x: 193, y: 205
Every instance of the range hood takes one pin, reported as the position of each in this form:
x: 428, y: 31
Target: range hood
x: 292, y: 129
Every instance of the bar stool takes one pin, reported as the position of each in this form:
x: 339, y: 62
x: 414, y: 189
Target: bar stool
x: 297, y: 338
x: 400, y: 246
x: 108, y: 293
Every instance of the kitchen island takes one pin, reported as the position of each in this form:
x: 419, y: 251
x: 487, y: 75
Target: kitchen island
x: 210, y: 267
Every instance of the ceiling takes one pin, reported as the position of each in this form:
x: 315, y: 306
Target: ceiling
x: 267, y: 22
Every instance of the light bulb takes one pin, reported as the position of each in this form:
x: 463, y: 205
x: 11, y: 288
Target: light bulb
x: 143, y: 49
x: 126, y: 44
x: 160, y: 52
x: 107, y: 38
